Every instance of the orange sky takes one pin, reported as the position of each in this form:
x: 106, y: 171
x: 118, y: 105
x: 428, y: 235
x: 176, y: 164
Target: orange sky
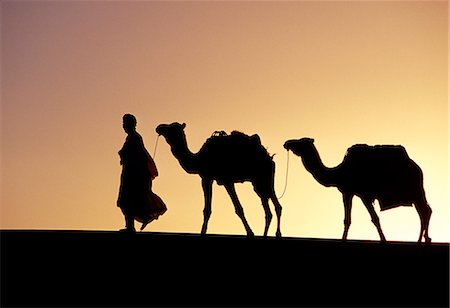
x: 341, y: 72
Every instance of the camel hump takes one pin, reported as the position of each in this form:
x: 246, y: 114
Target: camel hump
x: 384, y: 162
x: 236, y: 142
x: 252, y: 140
x: 219, y: 133
x: 235, y: 135
x: 387, y: 169
x: 253, y: 137
x: 382, y: 152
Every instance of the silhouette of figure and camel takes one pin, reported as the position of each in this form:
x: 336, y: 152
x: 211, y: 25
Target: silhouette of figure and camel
x: 381, y: 172
x: 227, y: 159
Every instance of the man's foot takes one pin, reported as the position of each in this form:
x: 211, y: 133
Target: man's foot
x: 127, y: 230
x: 146, y: 223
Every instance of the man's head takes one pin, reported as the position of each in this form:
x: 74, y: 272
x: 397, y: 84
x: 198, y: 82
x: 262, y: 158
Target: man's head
x: 129, y: 123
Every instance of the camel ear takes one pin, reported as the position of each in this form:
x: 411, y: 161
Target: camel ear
x: 183, y: 125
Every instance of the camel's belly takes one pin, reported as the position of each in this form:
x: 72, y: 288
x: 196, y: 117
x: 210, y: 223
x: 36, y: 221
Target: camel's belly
x: 223, y: 181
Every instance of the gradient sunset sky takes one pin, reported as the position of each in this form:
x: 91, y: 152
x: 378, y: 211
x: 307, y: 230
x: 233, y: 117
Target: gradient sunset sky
x: 341, y: 72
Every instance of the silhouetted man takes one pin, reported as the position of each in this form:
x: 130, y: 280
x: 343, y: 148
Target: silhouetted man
x: 136, y: 199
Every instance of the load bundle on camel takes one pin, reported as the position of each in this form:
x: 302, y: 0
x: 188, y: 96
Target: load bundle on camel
x: 383, y: 173
x: 227, y: 159
x: 237, y: 156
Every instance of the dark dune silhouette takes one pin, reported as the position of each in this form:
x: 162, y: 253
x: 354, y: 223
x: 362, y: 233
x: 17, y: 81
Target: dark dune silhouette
x: 227, y: 159
x: 383, y: 172
x: 112, y: 269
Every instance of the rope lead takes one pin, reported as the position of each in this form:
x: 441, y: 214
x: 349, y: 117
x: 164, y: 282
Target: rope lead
x: 156, y: 146
x: 286, y: 179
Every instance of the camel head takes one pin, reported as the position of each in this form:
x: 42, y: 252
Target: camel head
x: 298, y: 146
x: 171, y: 132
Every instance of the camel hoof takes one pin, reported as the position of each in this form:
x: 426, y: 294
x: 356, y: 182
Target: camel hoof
x: 428, y: 240
x: 278, y: 235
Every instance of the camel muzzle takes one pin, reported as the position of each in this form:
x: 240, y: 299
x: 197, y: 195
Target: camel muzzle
x: 287, y: 145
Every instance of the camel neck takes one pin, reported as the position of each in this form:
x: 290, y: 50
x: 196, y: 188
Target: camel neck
x: 313, y: 163
x: 185, y: 157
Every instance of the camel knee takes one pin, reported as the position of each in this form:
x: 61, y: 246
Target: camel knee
x: 206, y: 213
x: 428, y: 212
x: 277, y: 205
x: 278, y: 210
x: 269, y: 217
x: 424, y: 210
x: 376, y: 220
x: 347, y: 222
x: 239, y: 211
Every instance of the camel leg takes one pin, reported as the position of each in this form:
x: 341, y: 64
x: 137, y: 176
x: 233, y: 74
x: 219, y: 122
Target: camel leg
x: 427, y: 223
x: 207, y: 191
x: 424, y: 211
x: 348, y: 214
x: 375, y: 219
x: 238, y: 208
x: 422, y: 227
x: 278, y: 210
x: 268, y: 213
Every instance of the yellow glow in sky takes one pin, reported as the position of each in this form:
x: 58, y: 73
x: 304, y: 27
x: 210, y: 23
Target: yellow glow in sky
x: 340, y: 72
